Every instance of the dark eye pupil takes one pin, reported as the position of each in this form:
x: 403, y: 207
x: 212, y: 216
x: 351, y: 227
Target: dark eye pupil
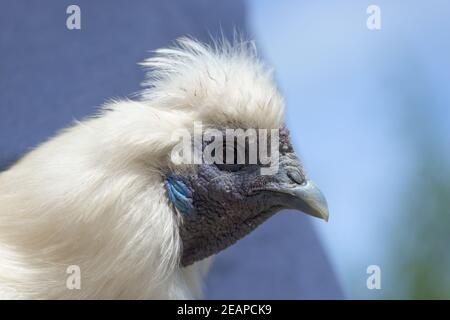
x: 240, y: 155
x: 235, y: 165
x: 231, y: 167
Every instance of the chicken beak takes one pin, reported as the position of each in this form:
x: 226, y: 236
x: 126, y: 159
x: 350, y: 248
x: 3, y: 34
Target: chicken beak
x: 307, y: 198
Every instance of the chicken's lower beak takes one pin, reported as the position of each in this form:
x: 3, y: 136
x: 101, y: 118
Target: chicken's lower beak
x: 306, y: 197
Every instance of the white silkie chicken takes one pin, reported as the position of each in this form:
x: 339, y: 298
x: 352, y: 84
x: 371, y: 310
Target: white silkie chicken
x: 104, y: 195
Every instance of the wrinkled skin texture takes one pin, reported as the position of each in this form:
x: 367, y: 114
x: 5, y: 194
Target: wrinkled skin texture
x: 229, y: 204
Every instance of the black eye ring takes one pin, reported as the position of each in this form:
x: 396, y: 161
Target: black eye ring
x: 232, y: 167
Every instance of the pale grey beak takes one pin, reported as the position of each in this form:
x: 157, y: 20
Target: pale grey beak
x: 306, y: 197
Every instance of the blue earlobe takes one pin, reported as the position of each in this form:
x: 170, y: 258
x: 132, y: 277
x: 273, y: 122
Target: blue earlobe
x: 179, y: 194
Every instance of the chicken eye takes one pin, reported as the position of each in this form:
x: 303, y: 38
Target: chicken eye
x: 230, y: 167
x: 237, y: 162
x: 232, y: 156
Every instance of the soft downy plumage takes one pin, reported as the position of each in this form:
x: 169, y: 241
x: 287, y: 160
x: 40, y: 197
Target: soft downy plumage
x: 94, y: 195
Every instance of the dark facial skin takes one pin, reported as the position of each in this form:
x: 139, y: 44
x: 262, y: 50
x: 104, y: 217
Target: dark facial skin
x: 228, y: 202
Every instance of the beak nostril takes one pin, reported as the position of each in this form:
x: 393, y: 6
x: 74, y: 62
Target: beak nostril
x: 296, y: 176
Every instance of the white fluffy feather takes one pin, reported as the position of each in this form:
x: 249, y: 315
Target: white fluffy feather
x: 93, y: 195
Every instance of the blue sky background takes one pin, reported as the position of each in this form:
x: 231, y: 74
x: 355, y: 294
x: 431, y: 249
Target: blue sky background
x: 348, y: 93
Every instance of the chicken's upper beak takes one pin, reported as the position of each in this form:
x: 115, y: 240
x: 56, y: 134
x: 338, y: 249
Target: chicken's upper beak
x: 306, y: 197
x: 290, y: 189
